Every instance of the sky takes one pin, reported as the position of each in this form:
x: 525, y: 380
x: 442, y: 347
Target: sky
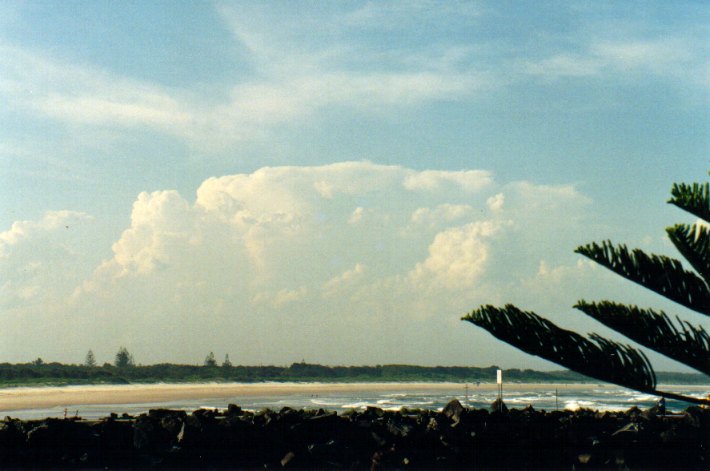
x: 334, y: 182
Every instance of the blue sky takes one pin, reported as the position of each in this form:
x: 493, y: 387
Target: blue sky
x: 361, y: 152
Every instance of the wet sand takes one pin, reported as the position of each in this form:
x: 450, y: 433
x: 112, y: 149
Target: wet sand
x: 23, y: 398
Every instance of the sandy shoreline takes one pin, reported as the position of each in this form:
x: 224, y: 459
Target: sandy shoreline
x: 27, y: 398
x: 21, y: 398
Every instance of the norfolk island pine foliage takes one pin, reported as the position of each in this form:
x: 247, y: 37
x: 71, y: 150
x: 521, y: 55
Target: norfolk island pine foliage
x: 610, y: 361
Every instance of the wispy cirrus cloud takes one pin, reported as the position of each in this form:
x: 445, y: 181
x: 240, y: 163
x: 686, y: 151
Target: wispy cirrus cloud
x: 83, y: 94
x: 297, y: 66
x: 673, y: 57
x: 290, y: 79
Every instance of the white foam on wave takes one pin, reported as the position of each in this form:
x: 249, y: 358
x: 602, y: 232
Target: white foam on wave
x: 579, y: 404
x: 319, y: 402
x: 642, y: 398
x: 523, y: 399
x: 358, y: 405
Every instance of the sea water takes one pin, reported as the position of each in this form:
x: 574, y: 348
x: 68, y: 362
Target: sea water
x: 594, y: 397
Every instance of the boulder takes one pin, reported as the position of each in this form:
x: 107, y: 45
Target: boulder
x: 233, y: 409
x: 453, y: 410
x: 499, y: 406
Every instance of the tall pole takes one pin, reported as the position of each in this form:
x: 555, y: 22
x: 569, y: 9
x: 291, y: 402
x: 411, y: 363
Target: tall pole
x: 499, y: 380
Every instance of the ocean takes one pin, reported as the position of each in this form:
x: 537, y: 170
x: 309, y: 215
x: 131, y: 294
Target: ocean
x: 596, y: 397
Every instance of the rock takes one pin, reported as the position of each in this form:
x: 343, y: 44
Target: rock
x: 453, y: 410
x: 499, y: 406
x: 181, y: 434
x: 233, y: 409
x: 12, y: 438
x: 324, y: 440
x: 627, y: 433
x: 373, y: 412
x: 62, y: 441
x: 659, y: 408
x: 145, y: 433
x: 329, y: 454
x: 172, y: 423
x: 379, y: 440
x: 634, y: 412
x: 115, y: 438
x: 288, y: 457
x: 433, y: 425
x: 694, y: 416
x: 399, y: 428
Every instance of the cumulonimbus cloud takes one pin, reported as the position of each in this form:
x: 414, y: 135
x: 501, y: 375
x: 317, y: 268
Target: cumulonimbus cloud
x: 286, y: 253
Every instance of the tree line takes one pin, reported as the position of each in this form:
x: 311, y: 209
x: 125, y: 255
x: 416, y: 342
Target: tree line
x: 124, y: 370
x: 124, y: 359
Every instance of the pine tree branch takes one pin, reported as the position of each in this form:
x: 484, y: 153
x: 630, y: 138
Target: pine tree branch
x: 601, y: 359
x: 598, y: 358
x: 664, y: 275
x: 687, y: 344
x: 693, y: 198
x: 693, y: 242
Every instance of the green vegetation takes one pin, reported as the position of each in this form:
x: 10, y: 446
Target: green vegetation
x: 90, y: 359
x: 28, y: 374
x: 210, y: 360
x: 123, y: 358
x: 609, y: 361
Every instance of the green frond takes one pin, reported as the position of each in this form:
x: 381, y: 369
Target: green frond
x: 598, y: 358
x: 693, y: 198
x: 693, y: 242
x: 654, y: 329
x: 664, y: 275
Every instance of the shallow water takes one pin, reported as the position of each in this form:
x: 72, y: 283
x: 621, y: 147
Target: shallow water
x: 596, y: 398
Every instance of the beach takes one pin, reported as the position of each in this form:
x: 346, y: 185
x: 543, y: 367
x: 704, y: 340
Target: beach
x: 22, y: 398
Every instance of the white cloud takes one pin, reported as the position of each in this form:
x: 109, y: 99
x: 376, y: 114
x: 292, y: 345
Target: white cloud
x: 495, y: 203
x: 656, y: 55
x: 443, y: 213
x: 390, y: 14
x: 160, y: 222
x: 28, y: 229
x: 348, y: 277
x: 280, y: 298
x: 267, y: 260
x: 33, y: 255
x: 287, y: 82
x: 431, y: 180
x: 672, y: 57
x: 83, y: 94
x: 565, y: 65
x: 296, y: 69
x: 457, y: 257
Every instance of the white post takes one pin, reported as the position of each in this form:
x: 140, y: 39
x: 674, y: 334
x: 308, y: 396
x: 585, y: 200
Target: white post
x: 499, y: 381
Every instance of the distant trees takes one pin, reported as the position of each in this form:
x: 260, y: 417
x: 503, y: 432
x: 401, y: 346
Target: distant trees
x: 226, y: 363
x: 603, y: 359
x: 90, y: 359
x: 124, y: 358
x: 210, y: 360
x: 57, y: 373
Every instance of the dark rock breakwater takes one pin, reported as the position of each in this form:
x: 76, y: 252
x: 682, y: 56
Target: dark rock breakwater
x: 455, y: 438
